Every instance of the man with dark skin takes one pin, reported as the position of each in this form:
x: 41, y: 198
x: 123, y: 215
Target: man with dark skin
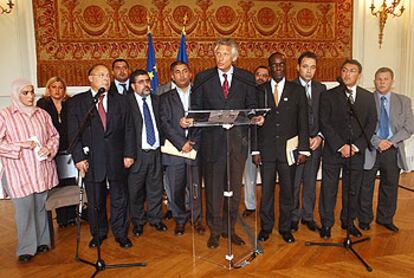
x: 287, y: 119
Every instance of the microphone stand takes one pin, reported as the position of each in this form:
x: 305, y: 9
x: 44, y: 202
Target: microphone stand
x: 100, y: 264
x: 347, y: 243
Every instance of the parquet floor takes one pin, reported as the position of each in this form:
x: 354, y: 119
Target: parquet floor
x: 390, y: 255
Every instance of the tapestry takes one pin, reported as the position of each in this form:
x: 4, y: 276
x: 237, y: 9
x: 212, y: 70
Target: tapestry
x: 72, y: 35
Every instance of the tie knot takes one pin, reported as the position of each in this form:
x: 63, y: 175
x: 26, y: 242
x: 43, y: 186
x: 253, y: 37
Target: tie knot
x: 383, y: 98
x: 225, y: 75
x: 144, y: 99
x: 100, y: 98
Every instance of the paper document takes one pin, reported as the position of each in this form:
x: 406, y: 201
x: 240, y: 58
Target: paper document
x: 292, y: 150
x: 169, y: 148
x: 37, y: 148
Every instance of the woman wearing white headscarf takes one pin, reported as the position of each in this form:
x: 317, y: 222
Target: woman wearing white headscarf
x: 28, y: 144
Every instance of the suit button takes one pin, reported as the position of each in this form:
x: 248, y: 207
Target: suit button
x: 277, y: 124
x: 277, y: 112
x: 277, y: 136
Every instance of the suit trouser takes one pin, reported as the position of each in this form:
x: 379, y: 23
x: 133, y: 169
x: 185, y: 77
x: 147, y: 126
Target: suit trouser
x: 286, y: 175
x: 145, y: 184
x: 250, y: 176
x: 215, y: 184
x: 178, y: 176
x: 305, y: 173
x: 31, y: 222
x: 118, y: 197
x: 387, y: 164
x: 329, y: 190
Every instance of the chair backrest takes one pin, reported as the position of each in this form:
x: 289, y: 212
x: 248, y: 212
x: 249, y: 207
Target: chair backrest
x: 65, y: 166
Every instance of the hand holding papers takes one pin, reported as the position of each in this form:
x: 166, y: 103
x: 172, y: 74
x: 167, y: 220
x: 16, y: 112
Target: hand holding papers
x: 169, y: 148
x: 292, y: 150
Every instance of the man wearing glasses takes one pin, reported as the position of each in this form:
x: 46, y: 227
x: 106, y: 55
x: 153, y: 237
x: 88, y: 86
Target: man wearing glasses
x: 145, y: 176
x: 109, y: 137
x: 339, y: 128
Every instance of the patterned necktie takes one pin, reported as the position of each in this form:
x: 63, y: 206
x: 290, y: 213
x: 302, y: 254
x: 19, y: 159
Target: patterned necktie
x: 351, y: 97
x: 384, y: 128
x: 308, y: 94
x: 149, y: 126
x: 124, y: 92
x: 276, y: 95
x: 101, y: 111
x: 225, y: 86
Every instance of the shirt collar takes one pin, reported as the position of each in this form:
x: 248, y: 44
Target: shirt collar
x: 280, y: 84
x: 186, y: 90
x: 304, y: 83
x: 229, y: 72
x: 387, y: 95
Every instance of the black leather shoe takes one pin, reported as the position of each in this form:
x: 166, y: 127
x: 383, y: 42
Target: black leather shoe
x: 248, y: 212
x: 42, y: 249
x: 352, y: 230
x: 294, y: 226
x: 94, y: 242
x: 168, y: 215
x: 25, y: 258
x: 159, y: 226
x: 235, y: 239
x: 138, y: 230
x: 390, y: 227
x: 311, y: 225
x: 325, y: 232
x: 364, y: 226
x: 213, y: 241
x: 263, y: 235
x: 179, y: 229
x: 124, y: 242
x: 199, y: 228
x: 288, y: 237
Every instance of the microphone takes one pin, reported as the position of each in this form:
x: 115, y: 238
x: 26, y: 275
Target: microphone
x: 342, y: 84
x: 101, y: 91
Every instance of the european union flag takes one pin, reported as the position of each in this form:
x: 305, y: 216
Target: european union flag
x: 182, y: 51
x: 151, y: 64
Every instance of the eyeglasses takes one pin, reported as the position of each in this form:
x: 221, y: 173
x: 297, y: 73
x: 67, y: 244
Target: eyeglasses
x: 26, y: 93
x: 101, y: 76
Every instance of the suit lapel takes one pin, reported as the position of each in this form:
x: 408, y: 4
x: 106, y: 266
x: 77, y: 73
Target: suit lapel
x: 394, y: 108
x: 177, y: 102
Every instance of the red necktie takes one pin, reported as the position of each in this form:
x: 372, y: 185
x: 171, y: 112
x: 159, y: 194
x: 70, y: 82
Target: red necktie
x: 101, y: 111
x: 225, y: 86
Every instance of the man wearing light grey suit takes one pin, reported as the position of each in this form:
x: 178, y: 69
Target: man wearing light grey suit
x: 395, y: 124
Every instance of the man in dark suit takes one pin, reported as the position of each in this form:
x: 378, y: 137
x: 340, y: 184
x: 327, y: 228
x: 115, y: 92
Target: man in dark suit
x: 395, y: 124
x: 344, y: 146
x: 173, y: 105
x: 223, y: 88
x: 307, y: 172
x: 145, y: 176
x: 288, y: 118
x: 120, y: 73
x: 110, y: 139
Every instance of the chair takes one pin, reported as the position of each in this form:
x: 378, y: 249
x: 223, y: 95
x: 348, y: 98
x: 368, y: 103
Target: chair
x: 63, y: 196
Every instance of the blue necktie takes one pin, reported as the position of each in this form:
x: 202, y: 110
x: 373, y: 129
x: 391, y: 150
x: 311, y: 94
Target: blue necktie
x: 384, y: 120
x: 149, y: 126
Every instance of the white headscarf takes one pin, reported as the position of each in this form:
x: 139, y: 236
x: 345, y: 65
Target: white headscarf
x: 16, y: 86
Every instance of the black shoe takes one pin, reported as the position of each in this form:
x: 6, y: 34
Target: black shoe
x: 94, y: 242
x: 364, y: 226
x: 168, y: 215
x: 199, y: 228
x: 325, y: 232
x: 248, y: 212
x: 213, y: 241
x: 352, y: 230
x: 42, y: 249
x: 179, y: 229
x: 263, y: 235
x: 25, y: 258
x: 235, y: 239
x: 159, y: 226
x: 124, y: 242
x: 138, y: 230
x: 288, y: 237
x: 294, y: 226
x: 311, y: 225
x: 390, y: 227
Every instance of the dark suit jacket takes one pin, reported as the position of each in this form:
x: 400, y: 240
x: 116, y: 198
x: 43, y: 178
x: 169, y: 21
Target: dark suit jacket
x: 108, y: 148
x: 138, y: 122
x: 313, y: 114
x: 288, y: 120
x: 61, y: 126
x: 114, y: 90
x: 208, y: 95
x: 334, y: 119
x: 171, y: 111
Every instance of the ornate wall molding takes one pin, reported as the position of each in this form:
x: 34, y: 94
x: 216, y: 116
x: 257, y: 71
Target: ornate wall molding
x: 71, y: 35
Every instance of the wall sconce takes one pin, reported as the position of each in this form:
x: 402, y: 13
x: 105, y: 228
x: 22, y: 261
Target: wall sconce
x: 382, y: 13
x: 6, y: 10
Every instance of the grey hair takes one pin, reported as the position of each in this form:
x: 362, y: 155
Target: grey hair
x: 229, y: 42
